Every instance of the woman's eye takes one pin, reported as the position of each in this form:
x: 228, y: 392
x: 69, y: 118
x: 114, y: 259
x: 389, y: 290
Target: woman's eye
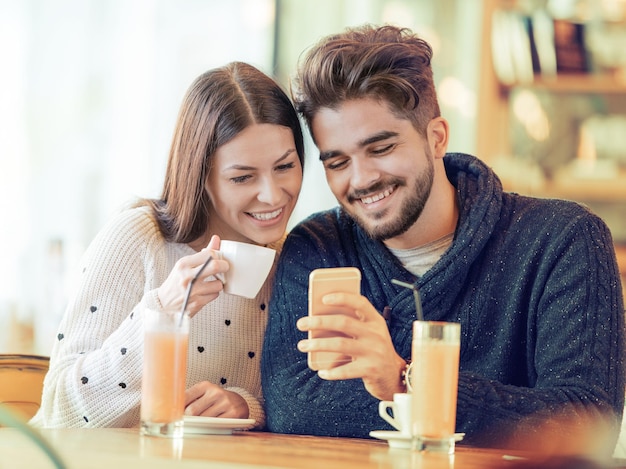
x: 240, y: 179
x: 285, y: 167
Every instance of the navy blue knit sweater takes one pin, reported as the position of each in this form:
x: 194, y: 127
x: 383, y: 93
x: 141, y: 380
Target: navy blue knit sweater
x: 534, y: 284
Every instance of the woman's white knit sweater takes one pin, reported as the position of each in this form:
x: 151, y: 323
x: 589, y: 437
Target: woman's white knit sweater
x: 96, y: 362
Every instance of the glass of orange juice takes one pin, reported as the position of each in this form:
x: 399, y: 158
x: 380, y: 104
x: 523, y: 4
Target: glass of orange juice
x: 434, y: 379
x: 166, y: 338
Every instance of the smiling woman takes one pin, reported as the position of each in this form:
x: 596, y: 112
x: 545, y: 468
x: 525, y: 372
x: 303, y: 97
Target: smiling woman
x: 234, y: 172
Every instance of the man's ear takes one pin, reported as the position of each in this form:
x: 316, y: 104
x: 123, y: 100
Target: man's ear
x: 438, y: 134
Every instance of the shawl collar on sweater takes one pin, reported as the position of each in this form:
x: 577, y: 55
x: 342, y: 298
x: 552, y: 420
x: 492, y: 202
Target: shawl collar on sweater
x: 480, y: 200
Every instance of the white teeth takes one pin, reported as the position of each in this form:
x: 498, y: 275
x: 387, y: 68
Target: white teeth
x: 267, y: 216
x: 377, y: 197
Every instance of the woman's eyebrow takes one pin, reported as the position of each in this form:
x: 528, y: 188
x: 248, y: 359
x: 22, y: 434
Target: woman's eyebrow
x: 248, y: 168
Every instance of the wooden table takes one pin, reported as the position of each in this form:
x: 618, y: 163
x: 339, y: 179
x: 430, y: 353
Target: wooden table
x: 125, y: 448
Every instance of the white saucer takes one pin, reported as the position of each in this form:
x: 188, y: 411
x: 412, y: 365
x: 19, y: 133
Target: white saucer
x: 195, y: 425
x: 400, y: 440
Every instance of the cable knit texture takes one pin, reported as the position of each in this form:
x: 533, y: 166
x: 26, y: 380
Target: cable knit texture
x: 96, y: 363
x: 534, y: 284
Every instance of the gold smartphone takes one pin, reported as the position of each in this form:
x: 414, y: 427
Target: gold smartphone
x: 322, y: 282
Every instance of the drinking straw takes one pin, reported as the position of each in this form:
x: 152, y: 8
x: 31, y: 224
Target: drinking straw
x: 416, y: 296
x: 195, y: 277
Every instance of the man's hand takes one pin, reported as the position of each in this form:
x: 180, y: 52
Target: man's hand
x: 374, y: 358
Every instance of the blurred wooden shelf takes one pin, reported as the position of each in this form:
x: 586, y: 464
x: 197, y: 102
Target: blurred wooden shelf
x: 573, y: 184
x: 493, y: 113
x: 590, y: 83
x: 596, y: 190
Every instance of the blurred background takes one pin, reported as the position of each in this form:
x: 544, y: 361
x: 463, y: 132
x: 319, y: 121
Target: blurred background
x: 90, y: 90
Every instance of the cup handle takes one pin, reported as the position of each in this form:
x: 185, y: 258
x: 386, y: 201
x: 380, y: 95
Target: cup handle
x: 383, y: 406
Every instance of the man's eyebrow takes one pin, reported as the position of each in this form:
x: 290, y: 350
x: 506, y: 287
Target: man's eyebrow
x: 326, y: 155
x: 382, y: 135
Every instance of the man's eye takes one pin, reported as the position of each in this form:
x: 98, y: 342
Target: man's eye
x: 336, y: 164
x: 383, y: 150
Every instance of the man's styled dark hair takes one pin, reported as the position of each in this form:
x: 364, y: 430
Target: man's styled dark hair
x: 386, y: 63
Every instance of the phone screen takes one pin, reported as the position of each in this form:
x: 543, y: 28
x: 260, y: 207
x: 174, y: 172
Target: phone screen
x: 322, y: 282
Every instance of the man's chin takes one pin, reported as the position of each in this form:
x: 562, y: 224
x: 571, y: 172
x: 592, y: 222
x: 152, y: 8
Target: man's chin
x: 383, y: 229
x: 375, y: 229
x: 375, y: 224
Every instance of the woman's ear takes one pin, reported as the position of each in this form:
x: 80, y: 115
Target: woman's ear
x: 438, y: 133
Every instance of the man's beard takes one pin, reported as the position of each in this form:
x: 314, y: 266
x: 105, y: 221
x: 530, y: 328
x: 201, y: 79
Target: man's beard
x: 409, y: 212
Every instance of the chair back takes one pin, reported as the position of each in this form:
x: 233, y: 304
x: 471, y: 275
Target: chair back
x: 21, y: 382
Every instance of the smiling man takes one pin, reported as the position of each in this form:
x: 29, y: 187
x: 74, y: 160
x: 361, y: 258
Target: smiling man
x: 533, y: 283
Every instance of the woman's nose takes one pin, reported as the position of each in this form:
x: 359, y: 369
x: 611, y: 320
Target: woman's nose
x: 269, y: 192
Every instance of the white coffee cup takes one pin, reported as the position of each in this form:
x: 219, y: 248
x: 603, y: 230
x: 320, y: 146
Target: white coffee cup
x: 249, y: 266
x: 400, y: 417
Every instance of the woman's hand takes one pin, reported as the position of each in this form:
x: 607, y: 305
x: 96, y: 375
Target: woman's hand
x: 210, y: 400
x: 205, y: 289
x: 374, y: 358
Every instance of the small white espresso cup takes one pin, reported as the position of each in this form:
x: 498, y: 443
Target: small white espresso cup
x: 400, y: 417
x: 249, y: 265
